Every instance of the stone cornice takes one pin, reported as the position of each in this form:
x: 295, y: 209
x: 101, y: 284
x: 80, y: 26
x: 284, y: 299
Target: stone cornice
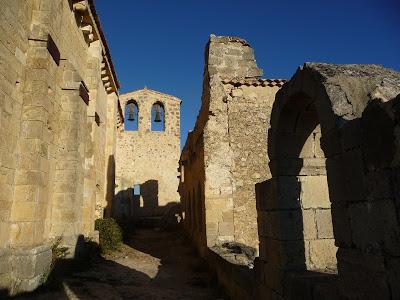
x: 146, y: 90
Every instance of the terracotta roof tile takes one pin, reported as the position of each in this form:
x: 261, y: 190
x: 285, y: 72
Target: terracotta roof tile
x: 255, y: 82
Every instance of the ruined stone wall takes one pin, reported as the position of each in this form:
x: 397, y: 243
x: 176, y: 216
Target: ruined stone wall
x: 333, y: 157
x: 232, y: 124
x: 149, y: 158
x: 46, y: 64
x: 191, y: 189
x: 249, y: 108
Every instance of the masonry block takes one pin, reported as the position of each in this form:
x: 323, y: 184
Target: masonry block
x: 323, y: 254
x: 274, y: 278
x: 354, y: 175
x: 23, y: 211
x: 362, y: 276
x: 350, y: 135
x: 309, y: 224
x: 22, y: 234
x: 324, y: 223
x: 285, y: 255
x: 307, y: 149
x: 314, y: 192
x: 379, y: 184
x: 29, y: 267
x: 375, y: 227
x: 280, y: 192
x: 330, y: 143
x: 284, y: 225
x: 226, y: 228
x: 28, y: 178
x: 393, y: 267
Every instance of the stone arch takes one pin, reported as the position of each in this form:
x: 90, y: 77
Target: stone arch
x: 356, y: 107
x: 157, y: 116
x: 131, y: 115
x: 297, y: 164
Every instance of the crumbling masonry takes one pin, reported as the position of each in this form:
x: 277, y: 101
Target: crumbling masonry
x: 340, y: 123
x: 322, y: 156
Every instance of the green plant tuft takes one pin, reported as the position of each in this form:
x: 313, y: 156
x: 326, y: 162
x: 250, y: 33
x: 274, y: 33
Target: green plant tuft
x: 58, y: 251
x: 110, y: 234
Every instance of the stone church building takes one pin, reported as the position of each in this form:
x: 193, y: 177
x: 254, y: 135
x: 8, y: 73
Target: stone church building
x: 147, y: 155
x: 288, y: 189
x: 59, y: 114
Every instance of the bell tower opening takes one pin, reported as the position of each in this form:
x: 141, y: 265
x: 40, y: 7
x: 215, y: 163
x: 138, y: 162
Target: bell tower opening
x: 157, y: 117
x: 131, y: 116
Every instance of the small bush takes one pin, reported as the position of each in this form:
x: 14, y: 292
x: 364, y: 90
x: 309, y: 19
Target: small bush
x: 58, y: 251
x: 110, y: 234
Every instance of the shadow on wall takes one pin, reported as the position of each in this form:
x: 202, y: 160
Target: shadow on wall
x: 141, y: 206
x: 3, y: 294
x: 335, y: 184
x: 297, y: 211
x: 110, y: 186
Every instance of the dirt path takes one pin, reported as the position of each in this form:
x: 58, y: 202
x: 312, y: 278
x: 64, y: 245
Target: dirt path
x: 152, y: 265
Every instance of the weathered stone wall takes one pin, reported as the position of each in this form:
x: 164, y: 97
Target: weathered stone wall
x: 248, y: 107
x: 230, y: 135
x: 47, y: 58
x: 328, y: 222
x: 149, y: 158
x: 191, y: 188
x: 15, y: 20
x: 110, y: 152
x: 333, y: 157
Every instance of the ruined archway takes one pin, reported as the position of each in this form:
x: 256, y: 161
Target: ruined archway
x: 303, y: 208
x: 354, y: 106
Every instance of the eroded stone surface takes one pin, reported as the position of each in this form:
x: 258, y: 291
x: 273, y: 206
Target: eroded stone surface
x: 58, y: 115
x: 226, y: 153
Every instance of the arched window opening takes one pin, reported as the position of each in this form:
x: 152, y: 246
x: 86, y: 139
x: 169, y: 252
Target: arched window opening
x: 131, y: 116
x: 298, y: 163
x: 157, y: 117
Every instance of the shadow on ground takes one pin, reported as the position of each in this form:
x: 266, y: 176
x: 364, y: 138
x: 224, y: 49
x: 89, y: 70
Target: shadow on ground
x: 153, y: 264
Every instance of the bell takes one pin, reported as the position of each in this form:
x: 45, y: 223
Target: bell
x: 131, y: 113
x: 157, y: 117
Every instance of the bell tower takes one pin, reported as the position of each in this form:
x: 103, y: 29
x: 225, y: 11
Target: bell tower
x: 147, y: 155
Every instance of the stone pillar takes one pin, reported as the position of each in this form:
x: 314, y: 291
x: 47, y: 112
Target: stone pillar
x: 32, y: 255
x: 112, y: 101
x: 94, y: 199
x: 226, y: 58
x: 68, y: 178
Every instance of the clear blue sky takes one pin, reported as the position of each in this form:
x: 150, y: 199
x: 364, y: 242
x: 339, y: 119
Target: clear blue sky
x: 160, y: 43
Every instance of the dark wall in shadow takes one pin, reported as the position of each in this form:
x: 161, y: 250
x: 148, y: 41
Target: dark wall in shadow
x: 144, y: 209
x: 292, y: 158
x: 149, y: 192
x: 110, y: 189
x: 362, y: 170
x: 363, y: 183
